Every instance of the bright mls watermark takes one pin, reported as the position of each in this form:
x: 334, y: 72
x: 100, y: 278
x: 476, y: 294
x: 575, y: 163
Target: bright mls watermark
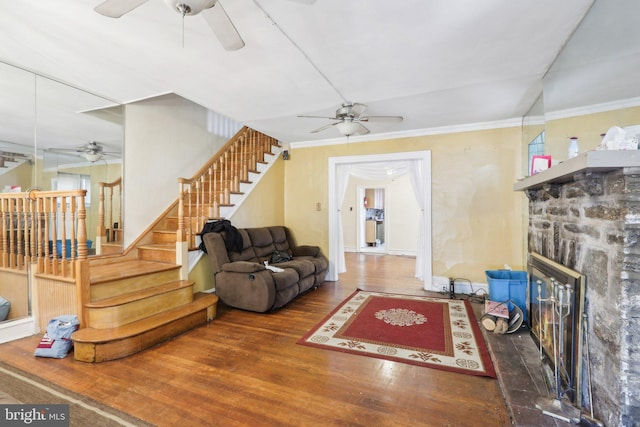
x: 34, y: 415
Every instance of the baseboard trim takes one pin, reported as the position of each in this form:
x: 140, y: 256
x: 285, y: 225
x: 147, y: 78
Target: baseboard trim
x: 15, y: 329
x: 461, y: 286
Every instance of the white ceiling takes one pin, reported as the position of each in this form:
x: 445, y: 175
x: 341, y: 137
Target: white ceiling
x: 437, y: 62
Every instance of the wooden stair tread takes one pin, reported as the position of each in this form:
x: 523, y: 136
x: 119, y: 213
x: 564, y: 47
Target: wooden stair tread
x: 139, y: 294
x: 159, y: 246
x: 123, y: 269
x: 89, y: 335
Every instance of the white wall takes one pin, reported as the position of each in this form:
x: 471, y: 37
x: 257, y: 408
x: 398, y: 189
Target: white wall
x: 401, y: 214
x: 165, y: 138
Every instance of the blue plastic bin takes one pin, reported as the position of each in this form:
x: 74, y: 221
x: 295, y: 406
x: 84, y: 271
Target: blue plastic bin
x: 508, y: 285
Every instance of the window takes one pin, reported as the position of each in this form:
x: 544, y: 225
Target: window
x: 73, y: 181
x: 536, y: 148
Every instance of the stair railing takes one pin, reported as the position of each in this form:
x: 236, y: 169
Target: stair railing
x: 110, y: 217
x: 201, y: 196
x: 46, y: 229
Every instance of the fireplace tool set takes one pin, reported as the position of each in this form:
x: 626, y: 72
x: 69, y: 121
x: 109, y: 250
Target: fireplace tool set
x: 559, y: 301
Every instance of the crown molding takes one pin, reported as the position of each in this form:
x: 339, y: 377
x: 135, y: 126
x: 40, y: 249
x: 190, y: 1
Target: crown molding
x: 592, y: 109
x: 442, y: 130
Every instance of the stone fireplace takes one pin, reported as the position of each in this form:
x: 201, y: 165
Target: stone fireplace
x: 585, y: 214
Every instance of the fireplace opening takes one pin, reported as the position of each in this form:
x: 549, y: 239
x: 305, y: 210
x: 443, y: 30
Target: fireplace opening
x: 555, y: 303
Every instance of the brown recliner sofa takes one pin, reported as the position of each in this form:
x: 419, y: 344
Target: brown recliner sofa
x: 243, y: 281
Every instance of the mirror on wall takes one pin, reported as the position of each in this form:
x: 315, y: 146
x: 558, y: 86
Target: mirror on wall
x: 69, y: 137
x: 55, y: 137
x: 593, y: 83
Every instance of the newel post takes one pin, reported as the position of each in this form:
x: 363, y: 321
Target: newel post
x: 82, y: 274
x: 181, y: 235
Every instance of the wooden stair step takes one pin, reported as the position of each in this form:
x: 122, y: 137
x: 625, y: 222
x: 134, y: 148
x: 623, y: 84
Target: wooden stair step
x: 129, y: 307
x: 159, y: 252
x: 126, y: 269
x: 139, y: 294
x: 99, y: 345
x: 111, y: 248
x: 164, y: 236
x: 115, y: 277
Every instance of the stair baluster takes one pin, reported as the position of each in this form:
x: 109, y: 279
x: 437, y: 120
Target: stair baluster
x: 219, y: 179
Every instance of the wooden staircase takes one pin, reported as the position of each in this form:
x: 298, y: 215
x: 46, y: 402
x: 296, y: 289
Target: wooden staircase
x: 141, y: 298
x: 135, y: 304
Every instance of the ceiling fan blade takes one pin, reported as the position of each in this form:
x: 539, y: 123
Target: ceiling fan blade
x: 361, y: 130
x: 222, y: 27
x: 320, y: 129
x: 319, y: 117
x: 117, y: 8
x: 386, y: 119
x: 62, y: 150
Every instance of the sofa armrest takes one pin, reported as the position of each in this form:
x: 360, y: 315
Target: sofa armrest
x: 247, y: 291
x: 216, y: 251
x: 305, y: 250
x: 242, y: 267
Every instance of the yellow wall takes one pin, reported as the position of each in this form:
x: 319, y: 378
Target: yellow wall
x: 587, y: 128
x: 202, y: 275
x: 477, y: 218
x: 20, y: 175
x: 265, y: 205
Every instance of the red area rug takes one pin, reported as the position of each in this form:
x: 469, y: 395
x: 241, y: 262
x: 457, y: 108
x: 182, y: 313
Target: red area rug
x: 432, y: 332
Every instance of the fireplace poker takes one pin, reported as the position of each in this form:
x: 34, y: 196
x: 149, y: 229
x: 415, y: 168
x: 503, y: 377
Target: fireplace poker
x: 564, y: 292
x: 557, y: 407
x: 585, y: 420
x: 556, y: 332
x: 540, y: 301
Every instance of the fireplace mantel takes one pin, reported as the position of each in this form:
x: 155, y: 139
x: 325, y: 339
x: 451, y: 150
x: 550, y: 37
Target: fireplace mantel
x: 591, y: 161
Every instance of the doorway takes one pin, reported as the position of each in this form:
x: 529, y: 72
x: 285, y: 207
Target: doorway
x: 372, y: 229
x: 415, y: 164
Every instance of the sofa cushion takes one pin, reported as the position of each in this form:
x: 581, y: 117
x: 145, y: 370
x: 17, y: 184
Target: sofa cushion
x: 262, y: 242
x: 285, y: 295
x: 320, y: 263
x: 247, y: 253
x: 285, y: 279
x: 279, y: 238
x: 303, y: 267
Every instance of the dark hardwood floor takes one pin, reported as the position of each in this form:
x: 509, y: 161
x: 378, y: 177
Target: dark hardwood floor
x: 245, y: 369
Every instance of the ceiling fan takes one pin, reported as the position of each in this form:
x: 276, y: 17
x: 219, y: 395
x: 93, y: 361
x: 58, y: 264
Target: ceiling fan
x: 11, y: 157
x: 211, y: 11
x: 349, y: 117
x: 92, y: 151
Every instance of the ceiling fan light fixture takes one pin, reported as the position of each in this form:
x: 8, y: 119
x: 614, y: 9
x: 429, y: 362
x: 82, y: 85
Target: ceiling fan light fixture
x: 190, y: 7
x: 92, y: 157
x: 348, y: 127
